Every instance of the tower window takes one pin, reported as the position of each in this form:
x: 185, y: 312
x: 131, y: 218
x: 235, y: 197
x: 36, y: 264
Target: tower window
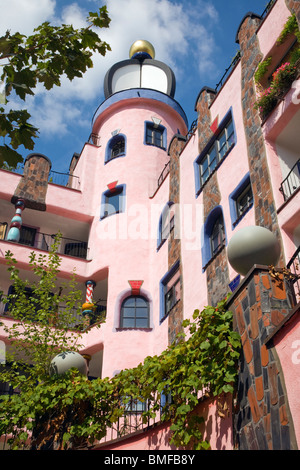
x: 113, y: 201
x: 116, y: 147
x: 135, y: 312
x: 155, y: 135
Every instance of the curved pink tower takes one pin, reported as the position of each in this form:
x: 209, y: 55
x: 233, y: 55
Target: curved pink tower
x: 131, y: 133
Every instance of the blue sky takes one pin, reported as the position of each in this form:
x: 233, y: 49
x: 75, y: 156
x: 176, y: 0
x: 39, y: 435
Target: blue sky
x: 196, y: 38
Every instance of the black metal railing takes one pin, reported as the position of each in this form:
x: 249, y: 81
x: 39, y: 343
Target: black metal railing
x: 292, y: 182
x: 64, y: 179
x: 164, y: 174
x: 294, y: 266
x: 67, y: 246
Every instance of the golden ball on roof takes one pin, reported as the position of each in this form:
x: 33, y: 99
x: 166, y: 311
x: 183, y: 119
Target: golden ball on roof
x: 141, y: 45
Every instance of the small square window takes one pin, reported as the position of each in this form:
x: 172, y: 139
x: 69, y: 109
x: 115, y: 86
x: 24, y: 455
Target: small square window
x: 244, y: 201
x: 155, y: 135
x: 113, y: 202
x: 240, y: 200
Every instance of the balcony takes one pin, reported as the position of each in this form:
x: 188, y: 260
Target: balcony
x: 64, y: 179
x: 292, y: 182
x: 294, y: 266
x: 43, y: 241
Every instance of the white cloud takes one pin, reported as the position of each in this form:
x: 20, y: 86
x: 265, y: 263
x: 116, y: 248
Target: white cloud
x: 25, y: 15
x: 178, y: 31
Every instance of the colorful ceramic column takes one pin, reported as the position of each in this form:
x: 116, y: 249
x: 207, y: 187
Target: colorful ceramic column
x: 16, y: 222
x: 88, y: 307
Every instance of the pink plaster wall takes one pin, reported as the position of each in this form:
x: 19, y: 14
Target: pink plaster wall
x: 216, y: 430
x: 287, y: 344
x: 277, y: 18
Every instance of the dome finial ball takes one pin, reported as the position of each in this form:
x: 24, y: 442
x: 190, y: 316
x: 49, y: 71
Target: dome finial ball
x: 141, y: 45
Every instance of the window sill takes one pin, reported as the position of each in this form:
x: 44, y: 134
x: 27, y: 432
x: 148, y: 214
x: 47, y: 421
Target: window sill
x: 114, y: 158
x: 149, y: 328
x: 213, y: 257
x: 157, y: 146
x: 168, y: 313
x: 237, y: 221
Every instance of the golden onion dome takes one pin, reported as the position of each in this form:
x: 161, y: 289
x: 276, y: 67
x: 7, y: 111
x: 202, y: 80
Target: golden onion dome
x: 141, y: 45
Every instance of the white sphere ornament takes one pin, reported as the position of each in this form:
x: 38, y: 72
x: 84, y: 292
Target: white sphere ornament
x: 66, y: 361
x: 252, y: 245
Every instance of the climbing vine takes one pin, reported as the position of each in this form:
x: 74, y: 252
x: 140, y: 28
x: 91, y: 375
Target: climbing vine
x: 69, y: 411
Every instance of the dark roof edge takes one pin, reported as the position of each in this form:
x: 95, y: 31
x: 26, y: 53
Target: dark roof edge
x: 250, y: 14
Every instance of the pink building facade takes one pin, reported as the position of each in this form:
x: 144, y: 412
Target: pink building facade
x: 147, y: 214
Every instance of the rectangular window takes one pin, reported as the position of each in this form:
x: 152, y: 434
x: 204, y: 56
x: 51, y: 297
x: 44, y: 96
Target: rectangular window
x: 113, y: 201
x: 216, y: 152
x: 170, y: 290
x: 240, y: 200
x: 155, y: 135
x: 244, y: 201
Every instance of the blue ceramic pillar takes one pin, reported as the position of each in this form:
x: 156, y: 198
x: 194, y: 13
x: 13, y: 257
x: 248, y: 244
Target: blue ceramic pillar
x: 16, y: 222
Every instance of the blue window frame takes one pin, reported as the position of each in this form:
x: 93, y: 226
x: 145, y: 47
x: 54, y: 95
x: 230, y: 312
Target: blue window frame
x: 165, y: 224
x: 214, y: 235
x: 214, y: 152
x: 155, y: 134
x: 240, y: 200
x: 134, y: 312
x: 113, y: 201
x: 116, y: 147
x: 169, y: 290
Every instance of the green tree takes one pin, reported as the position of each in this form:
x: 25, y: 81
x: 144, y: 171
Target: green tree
x: 43, y: 57
x: 39, y: 328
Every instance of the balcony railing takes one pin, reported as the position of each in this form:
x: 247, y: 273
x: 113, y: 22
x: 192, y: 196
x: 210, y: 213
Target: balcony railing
x: 44, y: 241
x: 294, y: 266
x: 292, y: 182
x: 64, y: 179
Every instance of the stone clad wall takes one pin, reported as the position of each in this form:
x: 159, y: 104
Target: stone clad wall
x: 217, y: 274
x: 175, y: 317
x: 32, y: 188
x: 264, y: 205
x: 262, y: 419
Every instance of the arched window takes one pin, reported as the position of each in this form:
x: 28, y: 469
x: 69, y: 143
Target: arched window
x: 134, y: 312
x: 116, y: 147
x: 166, y: 224
x: 217, y: 236
x: 214, y: 236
